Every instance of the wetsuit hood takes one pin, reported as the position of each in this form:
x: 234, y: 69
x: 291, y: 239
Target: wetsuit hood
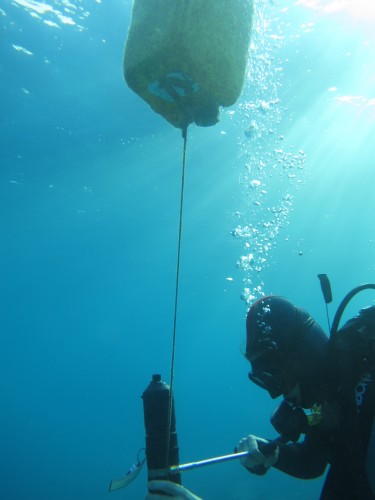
x: 286, y: 347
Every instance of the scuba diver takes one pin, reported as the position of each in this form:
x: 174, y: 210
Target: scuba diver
x: 329, y: 397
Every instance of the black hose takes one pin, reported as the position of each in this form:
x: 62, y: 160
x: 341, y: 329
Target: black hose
x: 345, y: 301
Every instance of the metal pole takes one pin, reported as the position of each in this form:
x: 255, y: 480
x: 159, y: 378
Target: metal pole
x: 265, y: 448
x: 175, y: 469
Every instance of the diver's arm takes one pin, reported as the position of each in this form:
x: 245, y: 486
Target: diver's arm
x: 305, y: 460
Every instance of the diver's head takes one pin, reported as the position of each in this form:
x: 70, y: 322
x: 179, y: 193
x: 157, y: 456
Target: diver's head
x: 287, y: 349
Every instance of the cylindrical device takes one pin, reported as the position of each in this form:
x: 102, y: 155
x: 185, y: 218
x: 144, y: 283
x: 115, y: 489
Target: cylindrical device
x: 159, y: 434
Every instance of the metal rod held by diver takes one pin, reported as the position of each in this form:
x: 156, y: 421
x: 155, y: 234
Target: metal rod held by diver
x: 266, y: 449
x: 175, y: 469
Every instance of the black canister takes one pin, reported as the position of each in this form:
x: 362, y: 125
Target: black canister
x: 159, y: 434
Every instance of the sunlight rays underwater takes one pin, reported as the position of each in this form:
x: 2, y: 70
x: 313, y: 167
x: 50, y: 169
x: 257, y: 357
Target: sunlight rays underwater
x: 105, y: 311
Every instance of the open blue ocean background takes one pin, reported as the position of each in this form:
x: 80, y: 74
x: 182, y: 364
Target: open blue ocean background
x: 280, y: 190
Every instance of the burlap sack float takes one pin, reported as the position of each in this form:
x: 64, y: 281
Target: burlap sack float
x: 186, y: 58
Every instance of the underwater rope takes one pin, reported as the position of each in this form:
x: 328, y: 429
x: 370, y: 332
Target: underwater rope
x: 184, y: 136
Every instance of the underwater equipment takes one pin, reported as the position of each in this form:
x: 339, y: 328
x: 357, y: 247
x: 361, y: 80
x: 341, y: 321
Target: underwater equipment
x: 345, y: 301
x: 267, y: 381
x: 161, y: 436
x: 370, y: 459
x: 162, y: 453
x: 186, y: 58
x: 173, y: 471
x: 129, y: 477
x: 290, y: 421
x: 327, y: 293
x: 265, y: 448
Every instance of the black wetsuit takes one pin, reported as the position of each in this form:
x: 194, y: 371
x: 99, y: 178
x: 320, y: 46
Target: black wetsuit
x: 341, y: 439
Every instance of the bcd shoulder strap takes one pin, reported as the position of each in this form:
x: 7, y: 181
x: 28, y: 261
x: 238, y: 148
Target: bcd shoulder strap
x: 357, y: 338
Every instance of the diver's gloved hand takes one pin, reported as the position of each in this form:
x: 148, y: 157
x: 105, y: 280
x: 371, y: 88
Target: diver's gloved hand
x: 171, y: 490
x: 262, y: 454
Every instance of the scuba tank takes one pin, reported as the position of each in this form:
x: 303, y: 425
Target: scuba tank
x: 161, y: 436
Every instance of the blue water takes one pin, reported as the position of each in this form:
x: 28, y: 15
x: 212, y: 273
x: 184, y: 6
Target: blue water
x: 280, y: 190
